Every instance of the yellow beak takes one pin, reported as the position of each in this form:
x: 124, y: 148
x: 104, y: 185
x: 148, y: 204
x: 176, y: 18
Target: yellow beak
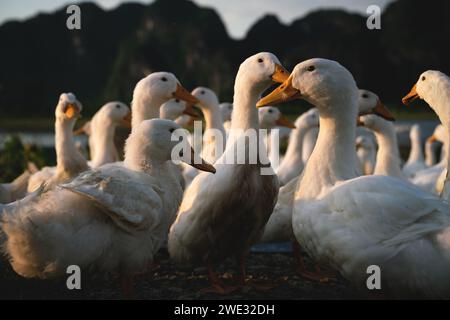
x: 432, y: 139
x: 126, y: 121
x: 203, y: 166
x: 280, y: 74
x: 411, y: 96
x: 182, y: 94
x: 190, y: 111
x: 284, y: 93
x: 72, y: 111
x: 283, y: 121
x: 381, y: 110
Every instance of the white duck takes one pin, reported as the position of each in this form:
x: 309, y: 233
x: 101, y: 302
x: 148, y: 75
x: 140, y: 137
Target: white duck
x: 102, y: 130
x: 388, y: 156
x: 222, y: 215
x: 366, y: 152
x: 353, y: 222
x: 227, y: 109
x: 309, y: 142
x: 415, y: 161
x: 427, y: 178
x: 112, y: 219
x: 16, y: 189
x: 175, y: 108
x: 434, y: 88
x: 430, y: 153
x: 270, y: 118
x: 69, y: 161
x: 292, y: 164
x: 214, y: 136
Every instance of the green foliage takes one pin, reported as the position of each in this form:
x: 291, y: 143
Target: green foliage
x: 15, y: 157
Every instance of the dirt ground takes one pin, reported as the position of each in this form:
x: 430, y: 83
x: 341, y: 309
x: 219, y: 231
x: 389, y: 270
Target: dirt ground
x: 169, y: 281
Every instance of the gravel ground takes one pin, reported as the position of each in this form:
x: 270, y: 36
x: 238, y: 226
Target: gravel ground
x: 169, y: 281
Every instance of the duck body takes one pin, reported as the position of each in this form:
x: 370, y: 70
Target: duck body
x: 352, y: 222
x: 111, y: 219
x: 221, y: 216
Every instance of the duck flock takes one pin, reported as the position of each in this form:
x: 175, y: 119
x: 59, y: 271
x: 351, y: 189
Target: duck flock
x: 339, y: 193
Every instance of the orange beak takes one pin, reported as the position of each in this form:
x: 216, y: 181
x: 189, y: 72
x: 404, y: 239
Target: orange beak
x: 126, y: 121
x: 203, y: 165
x: 190, y: 111
x: 283, y: 121
x: 381, y: 110
x: 432, y: 139
x: 411, y: 96
x: 72, y: 111
x: 359, y: 122
x: 280, y: 74
x: 182, y: 94
x: 284, y: 93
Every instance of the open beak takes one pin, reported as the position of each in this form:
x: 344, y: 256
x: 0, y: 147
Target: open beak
x: 200, y: 164
x: 72, y: 111
x: 190, y: 111
x: 381, y: 110
x: 284, y: 93
x: 283, y: 121
x: 432, y: 139
x: 182, y: 94
x: 280, y: 74
x: 126, y: 121
x: 411, y: 96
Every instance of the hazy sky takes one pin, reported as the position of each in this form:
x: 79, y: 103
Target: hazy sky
x: 238, y: 15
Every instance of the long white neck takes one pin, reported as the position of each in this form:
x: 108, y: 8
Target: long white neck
x: 68, y: 160
x: 388, y: 156
x: 103, y: 137
x: 416, y: 153
x: 334, y: 156
x: 445, y: 147
x: 430, y: 155
x: 144, y: 110
x: 295, y: 146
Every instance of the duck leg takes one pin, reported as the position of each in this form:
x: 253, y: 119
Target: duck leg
x: 217, y: 286
x: 242, y: 280
x: 318, y: 276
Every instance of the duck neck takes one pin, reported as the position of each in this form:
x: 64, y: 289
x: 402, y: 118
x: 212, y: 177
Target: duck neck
x: 416, y: 153
x: 430, y: 155
x: 334, y: 156
x: 213, y: 117
x: 446, y: 190
x: 103, y: 137
x: 245, y: 114
x: 295, y: 146
x: 144, y: 109
x: 68, y: 159
x: 388, y: 157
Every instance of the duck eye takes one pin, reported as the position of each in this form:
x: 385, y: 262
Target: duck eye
x: 164, y: 79
x: 423, y: 78
x: 270, y: 111
x: 260, y: 60
x: 181, y: 153
x: 177, y: 100
x: 118, y: 106
x: 202, y: 92
x: 365, y: 96
x: 172, y: 130
x: 311, y: 68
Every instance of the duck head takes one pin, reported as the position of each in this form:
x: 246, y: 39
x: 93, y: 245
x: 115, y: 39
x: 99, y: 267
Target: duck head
x: 68, y: 108
x: 270, y: 117
x: 153, y: 139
